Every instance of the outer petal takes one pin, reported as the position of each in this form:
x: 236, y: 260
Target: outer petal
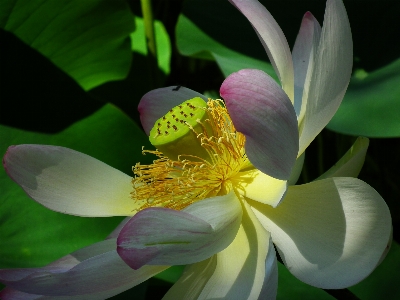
x: 304, y: 51
x: 94, y: 272
x: 10, y: 294
x: 327, y: 83
x: 272, y: 38
x: 330, y: 233
x: 242, y: 271
x: 351, y: 163
x: 158, y: 102
x: 70, y: 182
x: 256, y: 185
x: 263, y: 113
x: 168, y: 237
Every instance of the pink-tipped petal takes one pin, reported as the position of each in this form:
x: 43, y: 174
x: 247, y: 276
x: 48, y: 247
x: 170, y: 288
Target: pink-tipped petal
x: 261, y: 110
x: 158, y: 102
x: 304, y: 51
x: 272, y: 38
x: 246, y: 269
x: 161, y: 236
x: 69, y: 182
x: 94, y: 272
x: 330, y: 233
x: 327, y: 82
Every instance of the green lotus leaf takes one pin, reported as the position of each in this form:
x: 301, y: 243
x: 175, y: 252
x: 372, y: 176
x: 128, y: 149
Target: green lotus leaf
x: 223, y: 35
x: 371, y: 106
x: 89, y: 40
x: 163, y: 42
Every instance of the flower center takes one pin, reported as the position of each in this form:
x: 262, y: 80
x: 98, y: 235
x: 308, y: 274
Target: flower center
x: 199, y: 151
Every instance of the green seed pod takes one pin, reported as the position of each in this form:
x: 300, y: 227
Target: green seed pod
x: 176, y: 133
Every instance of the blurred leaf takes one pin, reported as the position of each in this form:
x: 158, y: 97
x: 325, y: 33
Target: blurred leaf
x: 215, y: 36
x: 383, y: 283
x: 89, y: 40
x: 32, y: 235
x: 289, y: 287
x: 371, y: 106
x: 138, y: 43
x: 35, y: 94
x: 171, y: 274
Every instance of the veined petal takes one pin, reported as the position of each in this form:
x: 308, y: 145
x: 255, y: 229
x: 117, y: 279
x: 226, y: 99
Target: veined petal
x: 258, y: 186
x: 304, y: 51
x: 261, y: 110
x: 272, y: 38
x: 69, y: 182
x: 158, y: 102
x: 351, y: 162
x: 246, y: 268
x: 330, y: 75
x: 161, y: 236
x: 91, y: 272
x: 330, y: 233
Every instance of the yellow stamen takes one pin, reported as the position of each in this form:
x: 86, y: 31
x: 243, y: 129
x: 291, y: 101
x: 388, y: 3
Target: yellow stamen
x: 178, y: 183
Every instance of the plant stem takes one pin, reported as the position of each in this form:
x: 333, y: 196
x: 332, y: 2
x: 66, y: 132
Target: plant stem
x: 150, y: 40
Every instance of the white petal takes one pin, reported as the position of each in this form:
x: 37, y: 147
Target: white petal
x: 241, y: 271
x: 272, y: 38
x: 161, y: 236
x: 351, y: 162
x: 158, y: 102
x: 260, y: 187
x: 303, y: 54
x: 327, y: 83
x: 330, y: 233
x: 70, y: 182
x: 94, y: 272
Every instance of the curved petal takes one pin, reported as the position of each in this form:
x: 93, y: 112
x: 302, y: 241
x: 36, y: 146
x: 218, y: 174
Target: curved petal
x: 303, y: 54
x: 91, y: 272
x: 330, y: 233
x: 69, y: 182
x: 263, y: 113
x: 256, y: 185
x: 161, y: 236
x: 158, y: 102
x: 243, y: 270
x: 330, y: 75
x: 351, y: 162
x: 296, y: 171
x: 272, y: 38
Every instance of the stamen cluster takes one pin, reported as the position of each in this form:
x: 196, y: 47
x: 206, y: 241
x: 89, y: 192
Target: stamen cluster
x: 178, y: 183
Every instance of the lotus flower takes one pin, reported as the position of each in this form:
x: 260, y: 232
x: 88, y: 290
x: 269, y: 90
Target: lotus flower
x: 207, y: 201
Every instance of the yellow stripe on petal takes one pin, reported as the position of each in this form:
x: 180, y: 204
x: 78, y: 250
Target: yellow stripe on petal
x: 260, y: 187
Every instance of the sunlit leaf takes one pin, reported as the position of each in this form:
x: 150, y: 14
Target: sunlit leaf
x: 32, y: 235
x: 89, y: 40
x: 163, y: 42
x: 371, y: 106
